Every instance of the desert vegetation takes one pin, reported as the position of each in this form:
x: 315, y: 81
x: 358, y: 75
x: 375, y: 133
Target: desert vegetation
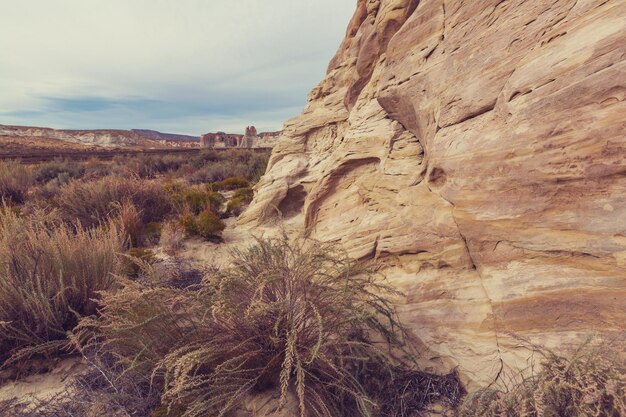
x: 296, y: 318
x: 50, y: 276
x: 143, y: 192
x: 90, y: 268
x: 589, y: 382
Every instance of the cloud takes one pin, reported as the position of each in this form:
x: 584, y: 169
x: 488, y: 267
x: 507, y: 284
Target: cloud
x: 188, y: 65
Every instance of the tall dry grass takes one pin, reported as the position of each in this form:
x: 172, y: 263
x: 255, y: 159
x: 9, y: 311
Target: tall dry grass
x: 92, y: 203
x: 15, y: 180
x: 49, y: 277
x: 591, y: 382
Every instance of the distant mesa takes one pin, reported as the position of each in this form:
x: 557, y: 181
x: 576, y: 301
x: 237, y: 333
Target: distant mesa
x: 104, y: 137
x: 251, y: 139
x: 143, y: 138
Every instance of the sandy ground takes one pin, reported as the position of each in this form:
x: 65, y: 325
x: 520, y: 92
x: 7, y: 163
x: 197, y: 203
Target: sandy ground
x: 42, y: 386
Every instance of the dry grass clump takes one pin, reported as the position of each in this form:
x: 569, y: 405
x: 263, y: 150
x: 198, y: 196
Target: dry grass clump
x: 15, y: 180
x: 172, y: 237
x: 138, y: 326
x: 48, y: 277
x: 92, y: 203
x: 589, y: 383
x: 294, y: 318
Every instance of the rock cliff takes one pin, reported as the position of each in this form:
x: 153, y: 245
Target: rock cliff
x: 477, y: 150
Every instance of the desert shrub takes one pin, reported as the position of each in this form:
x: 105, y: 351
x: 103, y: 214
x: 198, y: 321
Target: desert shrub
x: 48, y: 276
x: 240, y: 199
x: 172, y: 237
x: 212, y: 166
x: 215, y: 171
x: 91, y: 203
x: 589, y: 383
x: 295, y: 318
x: 229, y: 184
x: 15, y: 180
x: 206, y: 225
x: 209, y: 225
x: 60, y: 170
x: 196, y: 200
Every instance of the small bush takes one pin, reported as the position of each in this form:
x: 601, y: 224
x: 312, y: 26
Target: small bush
x: 589, y: 383
x: 209, y: 225
x: 15, y: 180
x: 240, y: 199
x: 230, y: 184
x: 206, y: 225
x: 92, y: 203
x: 291, y: 318
x: 47, y: 277
x: 196, y: 200
x: 62, y: 171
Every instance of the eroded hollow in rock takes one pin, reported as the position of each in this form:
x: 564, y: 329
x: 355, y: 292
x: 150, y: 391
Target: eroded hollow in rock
x: 293, y: 202
x: 437, y: 177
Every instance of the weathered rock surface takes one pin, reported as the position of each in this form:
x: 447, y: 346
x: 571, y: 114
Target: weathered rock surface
x: 477, y: 149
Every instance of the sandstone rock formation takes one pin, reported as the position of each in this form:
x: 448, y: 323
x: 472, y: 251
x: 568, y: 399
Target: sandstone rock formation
x: 251, y: 139
x: 477, y: 150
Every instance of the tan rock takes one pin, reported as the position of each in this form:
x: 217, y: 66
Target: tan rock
x: 477, y: 149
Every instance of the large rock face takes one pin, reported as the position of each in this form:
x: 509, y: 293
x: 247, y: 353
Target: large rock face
x: 477, y: 150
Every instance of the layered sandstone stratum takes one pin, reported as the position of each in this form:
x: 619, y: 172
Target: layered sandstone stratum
x: 477, y: 150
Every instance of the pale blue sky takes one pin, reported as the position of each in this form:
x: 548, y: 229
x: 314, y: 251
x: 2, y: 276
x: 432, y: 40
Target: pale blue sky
x: 181, y: 66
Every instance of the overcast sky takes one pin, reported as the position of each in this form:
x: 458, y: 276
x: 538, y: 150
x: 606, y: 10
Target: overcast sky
x: 180, y: 66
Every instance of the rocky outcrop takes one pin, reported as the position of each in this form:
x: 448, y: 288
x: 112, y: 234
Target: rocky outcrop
x: 107, y: 138
x: 251, y: 139
x: 90, y: 137
x: 477, y: 151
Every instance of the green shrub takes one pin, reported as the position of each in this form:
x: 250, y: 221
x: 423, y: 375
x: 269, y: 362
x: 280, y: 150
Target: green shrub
x: 196, y: 200
x: 47, y: 277
x: 188, y: 222
x: 230, y: 184
x: 296, y: 318
x: 240, y: 199
x: 15, y: 180
x: 209, y: 225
